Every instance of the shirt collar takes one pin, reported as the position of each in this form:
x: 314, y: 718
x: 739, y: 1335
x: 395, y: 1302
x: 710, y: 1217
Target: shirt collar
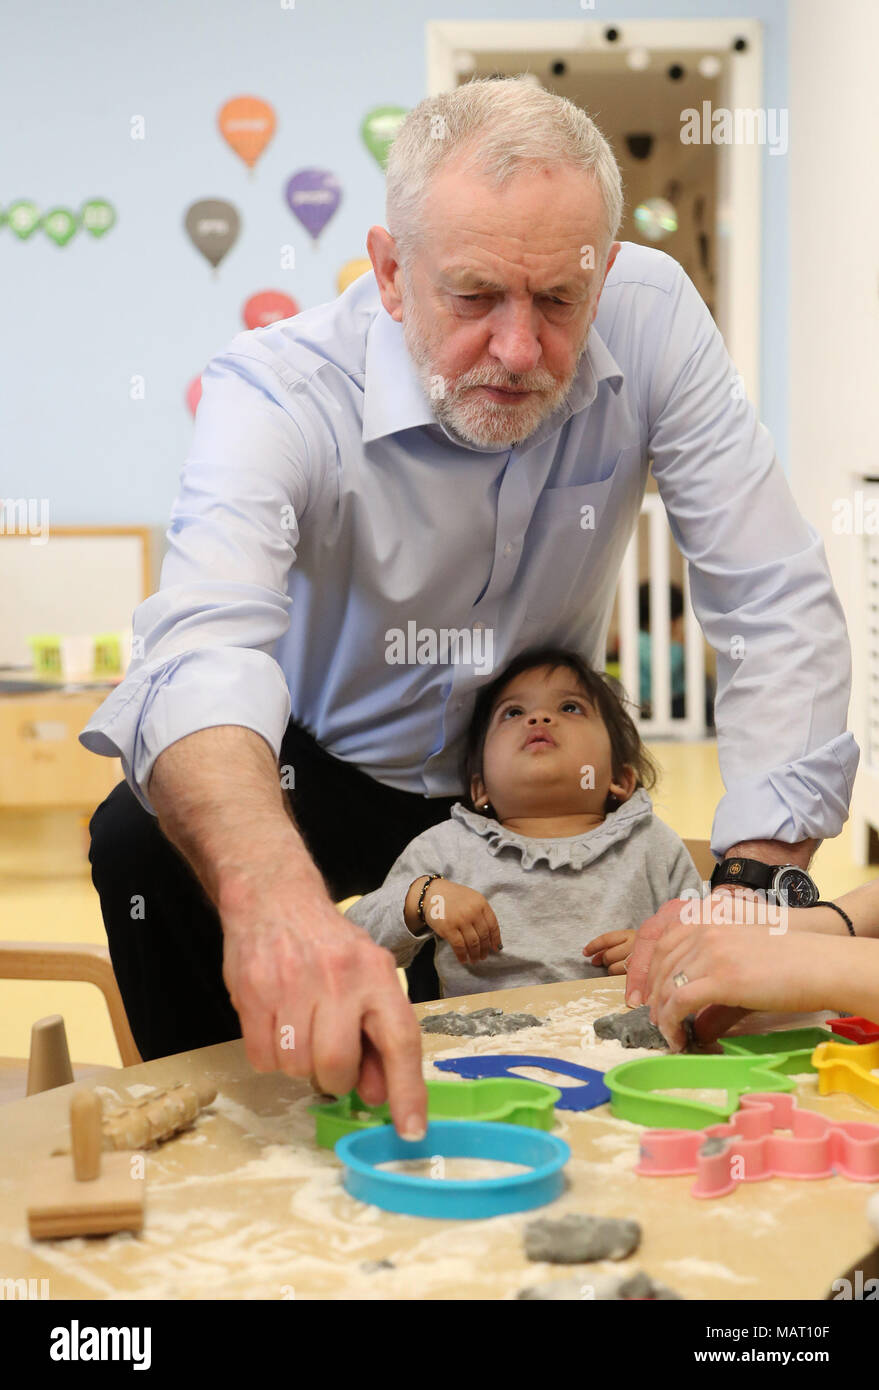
x: 394, y: 399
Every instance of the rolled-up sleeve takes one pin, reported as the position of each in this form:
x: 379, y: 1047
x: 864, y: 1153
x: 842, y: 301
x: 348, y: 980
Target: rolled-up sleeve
x: 761, y: 589
x: 203, y: 643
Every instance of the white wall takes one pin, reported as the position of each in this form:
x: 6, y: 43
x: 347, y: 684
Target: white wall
x: 834, y: 248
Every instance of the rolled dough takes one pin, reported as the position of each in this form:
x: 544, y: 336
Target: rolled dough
x: 482, y: 1023
x: 632, y: 1028
x: 601, y: 1289
x: 576, y: 1238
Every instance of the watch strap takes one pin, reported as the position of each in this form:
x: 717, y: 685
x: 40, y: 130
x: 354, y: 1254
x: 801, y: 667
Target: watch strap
x: 750, y: 873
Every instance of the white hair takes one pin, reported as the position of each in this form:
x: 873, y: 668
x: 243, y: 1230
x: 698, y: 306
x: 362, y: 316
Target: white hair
x: 509, y: 124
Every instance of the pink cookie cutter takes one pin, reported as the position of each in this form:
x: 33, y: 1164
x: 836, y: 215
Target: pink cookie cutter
x: 817, y: 1147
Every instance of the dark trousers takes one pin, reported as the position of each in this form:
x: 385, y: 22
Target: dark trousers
x: 168, y: 954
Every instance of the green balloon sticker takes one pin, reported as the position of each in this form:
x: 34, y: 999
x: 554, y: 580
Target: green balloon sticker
x: 379, y: 130
x: 23, y: 217
x: 97, y: 216
x: 60, y: 224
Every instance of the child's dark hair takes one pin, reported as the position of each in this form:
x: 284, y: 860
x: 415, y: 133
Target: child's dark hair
x: 625, y: 741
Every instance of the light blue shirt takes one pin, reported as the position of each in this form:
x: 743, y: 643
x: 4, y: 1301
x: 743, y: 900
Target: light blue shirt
x: 322, y: 507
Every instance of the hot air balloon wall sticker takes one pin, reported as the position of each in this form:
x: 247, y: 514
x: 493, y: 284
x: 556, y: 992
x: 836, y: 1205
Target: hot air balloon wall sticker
x: 212, y: 225
x: 60, y: 224
x: 97, y: 216
x: 313, y: 196
x: 378, y: 130
x: 351, y: 271
x: 23, y: 218
x: 193, y: 394
x: 247, y: 124
x: 269, y: 306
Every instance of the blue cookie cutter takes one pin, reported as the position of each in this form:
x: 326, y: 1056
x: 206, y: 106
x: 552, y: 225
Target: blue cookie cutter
x: 473, y: 1199
x: 586, y: 1097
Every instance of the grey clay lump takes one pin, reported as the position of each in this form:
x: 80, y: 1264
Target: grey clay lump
x: 632, y: 1028
x: 576, y: 1238
x: 482, y: 1023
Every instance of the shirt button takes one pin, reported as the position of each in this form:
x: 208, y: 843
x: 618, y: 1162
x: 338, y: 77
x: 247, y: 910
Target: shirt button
x: 509, y: 548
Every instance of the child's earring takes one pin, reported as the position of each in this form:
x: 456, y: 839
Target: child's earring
x: 485, y: 805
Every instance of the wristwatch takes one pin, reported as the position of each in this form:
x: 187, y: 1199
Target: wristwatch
x: 788, y: 883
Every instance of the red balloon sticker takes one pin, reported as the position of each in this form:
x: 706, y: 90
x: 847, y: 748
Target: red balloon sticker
x: 269, y: 306
x: 193, y: 394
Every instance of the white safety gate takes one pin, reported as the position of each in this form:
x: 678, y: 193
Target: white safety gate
x: 661, y: 723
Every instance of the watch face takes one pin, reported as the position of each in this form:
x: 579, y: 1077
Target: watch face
x: 795, y: 888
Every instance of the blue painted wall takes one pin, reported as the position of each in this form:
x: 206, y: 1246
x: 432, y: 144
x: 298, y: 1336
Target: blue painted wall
x: 80, y: 322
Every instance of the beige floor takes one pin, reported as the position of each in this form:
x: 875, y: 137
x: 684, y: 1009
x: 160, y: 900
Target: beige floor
x: 36, y: 904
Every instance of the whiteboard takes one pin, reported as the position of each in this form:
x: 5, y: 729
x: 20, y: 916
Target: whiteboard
x: 78, y: 582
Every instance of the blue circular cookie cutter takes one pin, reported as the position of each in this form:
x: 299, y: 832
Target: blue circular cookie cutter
x: 472, y: 1199
x: 585, y: 1097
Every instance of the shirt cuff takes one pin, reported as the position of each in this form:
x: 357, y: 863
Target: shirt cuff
x: 807, y: 799
x: 155, y: 707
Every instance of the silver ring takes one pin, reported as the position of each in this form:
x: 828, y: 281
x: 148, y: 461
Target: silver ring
x: 680, y: 979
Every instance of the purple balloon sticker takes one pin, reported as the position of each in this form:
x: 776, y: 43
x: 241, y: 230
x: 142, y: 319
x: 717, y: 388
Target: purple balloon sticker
x: 313, y: 196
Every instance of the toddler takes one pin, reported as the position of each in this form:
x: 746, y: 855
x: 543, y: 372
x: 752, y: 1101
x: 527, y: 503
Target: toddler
x: 555, y: 844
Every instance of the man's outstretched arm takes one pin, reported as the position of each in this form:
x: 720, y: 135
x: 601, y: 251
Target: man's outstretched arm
x: 315, y: 995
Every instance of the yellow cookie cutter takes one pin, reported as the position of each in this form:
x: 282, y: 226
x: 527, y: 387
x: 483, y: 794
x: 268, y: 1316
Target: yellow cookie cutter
x: 849, y: 1069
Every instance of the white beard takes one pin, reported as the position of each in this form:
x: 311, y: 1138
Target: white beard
x: 471, y: 414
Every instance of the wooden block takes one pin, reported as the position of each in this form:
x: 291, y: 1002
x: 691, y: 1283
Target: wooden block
x: 95, y: 1195
x: 58, y: 1205
x: 49, y: 1062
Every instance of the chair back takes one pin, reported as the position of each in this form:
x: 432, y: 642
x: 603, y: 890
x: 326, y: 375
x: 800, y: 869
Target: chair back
x: 700, y: 853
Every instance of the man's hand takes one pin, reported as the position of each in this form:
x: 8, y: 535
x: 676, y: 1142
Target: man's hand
x: 459, y: 915
x: 317, y: 997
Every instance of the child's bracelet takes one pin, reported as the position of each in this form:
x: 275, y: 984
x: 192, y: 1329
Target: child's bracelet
x: 837, y: 908
x: 421, y: 917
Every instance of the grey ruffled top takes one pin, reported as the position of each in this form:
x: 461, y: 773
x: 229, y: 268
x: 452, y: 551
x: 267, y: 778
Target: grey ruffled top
x: 550, y: 896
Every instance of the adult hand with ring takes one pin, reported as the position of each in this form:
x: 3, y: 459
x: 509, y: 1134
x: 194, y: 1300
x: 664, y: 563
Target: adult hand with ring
x: 719, y: 974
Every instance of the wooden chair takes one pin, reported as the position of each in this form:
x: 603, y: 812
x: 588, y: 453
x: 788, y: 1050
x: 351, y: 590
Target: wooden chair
x: 71, y: 961
x: 700, y: 853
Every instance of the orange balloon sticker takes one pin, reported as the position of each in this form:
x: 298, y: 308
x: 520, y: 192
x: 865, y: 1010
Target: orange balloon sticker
x: 247, y: 124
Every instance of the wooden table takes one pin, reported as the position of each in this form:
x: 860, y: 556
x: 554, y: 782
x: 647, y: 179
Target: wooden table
x: 246, y: 1206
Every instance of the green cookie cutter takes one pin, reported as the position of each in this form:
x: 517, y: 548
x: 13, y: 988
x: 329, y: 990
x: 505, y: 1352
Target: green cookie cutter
x: 790, y: 1041
x: 634, y: 1085
x: 751, y: 1062
x: 510, y: 1100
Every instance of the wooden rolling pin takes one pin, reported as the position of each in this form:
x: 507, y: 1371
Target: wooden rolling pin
x: 155, y: 1117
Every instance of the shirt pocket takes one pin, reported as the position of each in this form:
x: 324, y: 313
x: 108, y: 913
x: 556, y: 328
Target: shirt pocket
x: 575, y: 542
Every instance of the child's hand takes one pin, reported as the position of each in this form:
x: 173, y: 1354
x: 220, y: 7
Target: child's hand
x: 612, y: 949
x: 462, y: 917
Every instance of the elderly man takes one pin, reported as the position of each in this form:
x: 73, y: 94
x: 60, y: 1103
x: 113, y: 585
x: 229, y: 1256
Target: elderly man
x: 458, y: 443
